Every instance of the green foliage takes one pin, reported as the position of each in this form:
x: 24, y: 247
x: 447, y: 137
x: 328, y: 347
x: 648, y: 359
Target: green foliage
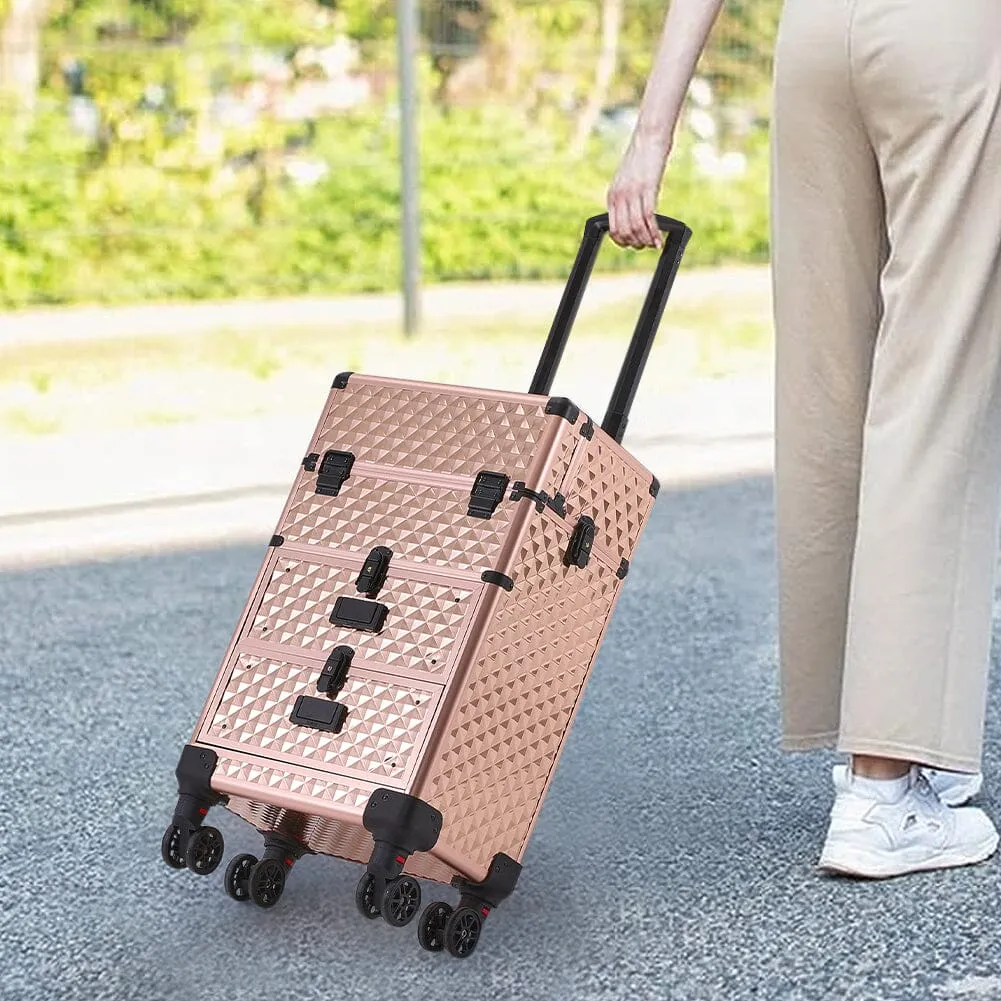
x: 153, y: 212
x: 368, y: 20
x: 497, y: 201
x: 38, y: 208
x: 738, y: 59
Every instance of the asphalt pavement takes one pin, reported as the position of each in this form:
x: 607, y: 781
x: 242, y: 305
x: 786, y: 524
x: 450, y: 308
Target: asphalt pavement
x: 674, y: 858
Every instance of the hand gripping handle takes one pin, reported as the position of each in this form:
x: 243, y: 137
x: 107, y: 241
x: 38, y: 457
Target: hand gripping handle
x: 617, y: 415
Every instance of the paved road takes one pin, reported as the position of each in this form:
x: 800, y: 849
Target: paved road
x: 674, y: 859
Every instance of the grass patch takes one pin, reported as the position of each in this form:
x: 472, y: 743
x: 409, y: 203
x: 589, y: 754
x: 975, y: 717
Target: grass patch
x: 41, y: 382
x: 24, y: 422
x: 255, y: 355
x: 164, y: 418
x: 722, y: 326
x: 721, y: 331
x: 258, y: 371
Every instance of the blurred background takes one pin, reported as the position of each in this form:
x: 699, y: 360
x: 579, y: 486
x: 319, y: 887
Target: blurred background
x: 200, y: 221
x: 215, y: 148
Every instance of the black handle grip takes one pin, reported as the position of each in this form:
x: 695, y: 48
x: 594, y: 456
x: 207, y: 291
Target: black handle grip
x: 617, y: 415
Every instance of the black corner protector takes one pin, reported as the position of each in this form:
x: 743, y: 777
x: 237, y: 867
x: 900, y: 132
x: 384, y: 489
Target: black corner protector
x: 654, y: 487
x: 564, y: 408
x: 194, y: 773
x: 277, y: 540
x: 495, y: 577
x: 587, y: 429
x: 309, y: 463
x: 341, y: 382
x: 623, y: 569
x: 502, y: 878
x: 402, y: 821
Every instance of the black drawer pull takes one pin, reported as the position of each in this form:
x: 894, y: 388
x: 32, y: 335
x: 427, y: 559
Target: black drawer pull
x: 355, y: 613
x: 320, y: 714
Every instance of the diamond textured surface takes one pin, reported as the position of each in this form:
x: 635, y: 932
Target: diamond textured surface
x: 457, y: 432
x: 419, y: 523
x: 513, y: 715
x: 286, y: 779
x: 380, y: 738
x: 421, y: 629
x: 608, y: 488
x: 513, y: 712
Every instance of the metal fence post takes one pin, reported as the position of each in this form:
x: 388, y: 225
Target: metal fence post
x: 406, y: 37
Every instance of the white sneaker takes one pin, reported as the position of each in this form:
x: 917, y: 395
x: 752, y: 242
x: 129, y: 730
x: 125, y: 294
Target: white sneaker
x: 876, y: 840
x: 953, y: 788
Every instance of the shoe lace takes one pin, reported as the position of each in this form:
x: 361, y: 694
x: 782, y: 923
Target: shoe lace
x: 922, y: 786
x: 933, y: 812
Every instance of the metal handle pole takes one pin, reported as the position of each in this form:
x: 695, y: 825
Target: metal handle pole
x: 406, y: 36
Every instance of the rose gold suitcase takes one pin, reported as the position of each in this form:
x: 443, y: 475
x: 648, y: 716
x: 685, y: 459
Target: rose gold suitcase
x: 404, y: 675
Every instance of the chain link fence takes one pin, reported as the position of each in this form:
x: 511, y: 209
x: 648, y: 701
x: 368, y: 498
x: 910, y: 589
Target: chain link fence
x: 150, y: 158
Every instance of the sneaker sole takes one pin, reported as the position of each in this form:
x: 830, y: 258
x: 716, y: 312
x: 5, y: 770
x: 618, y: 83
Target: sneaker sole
x: 846, y: 861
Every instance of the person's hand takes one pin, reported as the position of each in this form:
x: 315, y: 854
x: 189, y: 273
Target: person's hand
x: 632, y: 198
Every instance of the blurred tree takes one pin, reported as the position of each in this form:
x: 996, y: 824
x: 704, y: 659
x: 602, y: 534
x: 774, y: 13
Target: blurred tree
x: 608, y: 57
x: 367, y: 20
x: 577, y: 57
x: 455, y: 30
x: 152, y: 67
x: 739, y: 57
x: 20, y: 48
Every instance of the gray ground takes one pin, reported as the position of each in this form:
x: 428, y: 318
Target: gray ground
x: 674, y: 858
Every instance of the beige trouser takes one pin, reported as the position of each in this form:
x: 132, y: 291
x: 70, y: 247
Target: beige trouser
x: 886, y: 190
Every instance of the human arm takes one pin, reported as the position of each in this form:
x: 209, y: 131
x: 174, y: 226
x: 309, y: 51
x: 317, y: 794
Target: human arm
x: 632, y: 197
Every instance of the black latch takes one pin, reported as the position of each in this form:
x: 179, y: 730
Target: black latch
x: 488, y: 491
x: 541, y: 498
x: 309, y: 463
x: 354, y: 613
x: 335, y: 671
x: 579, y: 550
x: 335, y: 468
x: 320, y: 714
x: 373, y: 573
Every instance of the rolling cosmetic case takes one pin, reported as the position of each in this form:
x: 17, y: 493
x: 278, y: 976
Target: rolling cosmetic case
x: 404, y: 675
